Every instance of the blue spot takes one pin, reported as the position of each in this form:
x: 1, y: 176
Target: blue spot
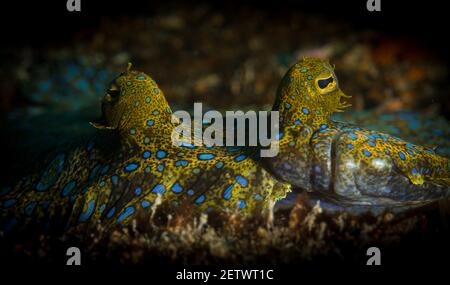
x: 206, y: 156
x: 176, y: 188
x: 352, y: 136
x: 287, y: 105
x: 51, y: 174
x: 140, y: 77
x: 132, y: 131
x: 114, y: 179
x: 305, y: 110
x: 30, y: 208
x: 187, y: 145
x: 9, y: 203
x: 137, y: 191
x: 160, y: 167
x: 160, y: 154
x: 146, y: 154
x: 155, y: 90
x: 90, y: 209
x: 150, y: 123
x: 68, y: 188
x: 125, y: 214
x: 387, y: 152
x: 241, y: 180
x: 371, y: 143
x: 102, y: 208
x: 366, y: 152
x: 297, y: 122
x: 5, y: 191
x: 147, y: 99
x: 242, y: 204
x: 410, y: 152
x: 402, y: 155
x: 102, y: 183
x: 227, y: 192
x: 94, y: 171
x: 146, y: 140
x: 257, y: 197
x: 279, y: 136
x: 181, y: 162
x: 147, y: 169
x: 131, y: 167
x: 200, y: 199
x: 159, y: 189
x: 190, y: 192
x: 350, y: 146
x: 219, y: 164
x: 323, y: 126
x: 145, y: 204
x: 111, y: 212
x: 240, y: 158
x: 414, y: 171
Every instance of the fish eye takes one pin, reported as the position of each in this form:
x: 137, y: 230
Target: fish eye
x: 323, y: 83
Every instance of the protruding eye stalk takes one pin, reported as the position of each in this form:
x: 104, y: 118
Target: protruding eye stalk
x: 326, y: 84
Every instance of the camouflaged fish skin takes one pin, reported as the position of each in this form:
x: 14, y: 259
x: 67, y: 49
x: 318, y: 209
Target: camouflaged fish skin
x: 347, y: 163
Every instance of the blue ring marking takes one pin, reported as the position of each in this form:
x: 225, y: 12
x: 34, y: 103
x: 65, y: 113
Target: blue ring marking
x: 155, y: 112
x: 190, y: 192
x: 410, y: 152
x: 179, y: 154
x: 240, y: 158
x: 200, y: 199
x: 206, y: 156
x: 140, y: 77
x: 414, y: 171
x: 219, y: 164
x: 160, y: 154
x: 125, y: 214
x: 352, y: 136
x: 297, y: 122
x: 159, y: 189
x: 242, y: 204
x: 131, y: 167
x: 187, y: 145
x: 176, y: 188
x: 146, y: 140
x: 287, y: 105
x: 181, y: 162
x: 160, y: 167
x: 111, y: 212
x: 323, y: 126
x: 371, y: 143
x: 138, y: 191
x: 45, y: 182
x: 401, y: 155
x: 145, y: 204
x: 68, y: 188
x: 105, y: 169
x: 366, y: 152
x: 146, y: 154
x: 305, y: 110
x: 241, y: 180
x: 147, y: 169
x: 102, y: 208
x: 94, y: 171
x: 90, y: 209
x: 9, y: 203
x: 349, y: 146
x: 30, y: 208
x: 155, y: 90
x: 102, y: 183
x: 387, y: 152
x: 227, y: 192
x: 147, y: 99
x: 150, y: 123
x: 132, y: 131
x: 114, y: 179
x: 257, y: 197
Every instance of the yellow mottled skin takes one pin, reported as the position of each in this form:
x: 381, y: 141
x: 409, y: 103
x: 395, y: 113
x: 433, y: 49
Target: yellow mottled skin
x: 120, y: 174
